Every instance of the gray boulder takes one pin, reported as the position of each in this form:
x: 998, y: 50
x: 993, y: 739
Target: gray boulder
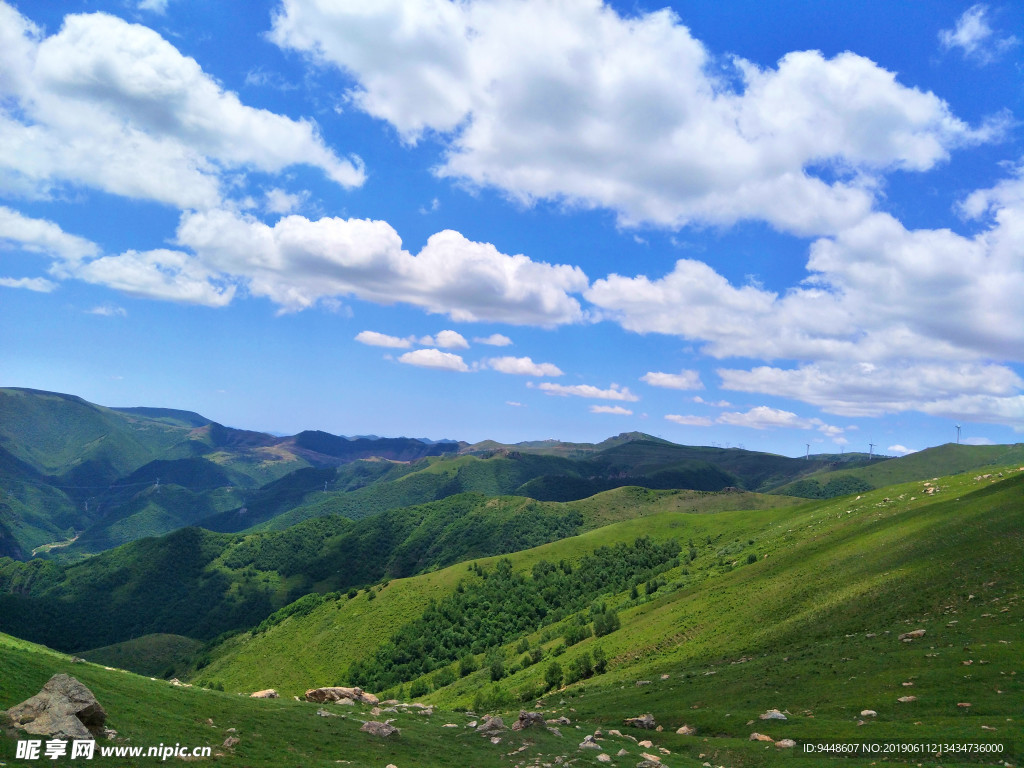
x: 383, y: 730
x: 642, y: 721
x: 63, y: 709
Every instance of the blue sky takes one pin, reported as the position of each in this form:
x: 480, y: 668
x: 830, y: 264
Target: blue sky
x: 764, y: 224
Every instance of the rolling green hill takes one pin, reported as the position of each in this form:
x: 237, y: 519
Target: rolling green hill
x: 941, y: 460
x: 831, y: 579
x: 154, y: 585
x: 798, y: 609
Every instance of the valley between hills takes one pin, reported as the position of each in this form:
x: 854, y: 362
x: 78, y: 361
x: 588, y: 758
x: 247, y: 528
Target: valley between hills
x: 652, y: 603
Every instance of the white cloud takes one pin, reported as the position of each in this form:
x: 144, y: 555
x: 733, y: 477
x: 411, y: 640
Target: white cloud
x: 108, y: 310
x: 37, y: 284
x: 514, y: 404
x: 617, y: 410
x: 298, y: 262
x: 614, y: 392
x: 43, y: 237
x: 974, y: 37
x: 900, y: 449
x: 114, y: 106
x: 374, y: 339
x: 869, y: 390
x: 689, y: 421
x: 279, y: 201
x: 683, y: 380
x: 494, y: 340
x: 156, y: 6
x: 434, y: 358
x: 158, y: 274
x: 446, y: 340
x: 713, y: 403
x: 625, y: 113
x: 977, y: 441
x: 763, y: 417
x: 523, y: 366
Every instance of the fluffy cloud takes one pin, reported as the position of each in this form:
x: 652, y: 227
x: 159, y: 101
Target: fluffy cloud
x: 617, y: 410
x: 763, y: 417
x: 299, y: 261
x: 446, y: 340
x: 114, y: 106
x: 434, y: 358
x: 37, y: 284
x: 374, y: 339
x: 108, y: 310
x: 869, y: 390
x: 682, y: 380
x: 523, y: 366
x: 494, y: 340
x: 974, y: 37
x: 614, y: 392
x: 689, y: 421
x: 626, y: 113
x: 900, y: 449
x: 43, y: 237
x: 158, y: 274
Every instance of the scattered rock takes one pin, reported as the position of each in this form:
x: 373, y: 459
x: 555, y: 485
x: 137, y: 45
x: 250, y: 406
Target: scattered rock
x: 324, y: 713
x: 589, y: 743
x: 341, y: 695
x: 563, y: 720
x: 495, y: 739
x: 622, y: 753
x: 603, y: 758
x: 906, y: 699
x: 785, y: 743
x: 687, y: 730
x: 755, y: 736
x: 63, y: 709
x: 642, y: 682
x: 646, y: 744
x: 230, y: 741
x: 527, y: 719
x: 665, y: 677
x: 450, y: 725
x: 554, y: 731
x: 649, y: 761
x: 964, y: 704
x: 269, y: 693
x: 383, y: 730
x: 490, y: 726
x: 773, y: 714
x: 868, y: 713
x: 642, y: 721
x: 908, y: 636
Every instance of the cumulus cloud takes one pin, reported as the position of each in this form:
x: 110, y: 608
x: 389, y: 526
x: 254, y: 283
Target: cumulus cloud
x: 866, y: 389
x: 713, y: 403
x: 617, y: 410
x: 764, y: 417
x: 446, y: 340
x: 689, y: 421
x: 625, y: 113
x: 42, y: 237
x: 37, y: 284
x: 900, y: 449
x: 298, y: 261
x: 523, y: 366
x: 434, y: 358
x: 114, y: 106
x: 494, y: 340
x: 614, y: 392
x: 683, y: 380
x: 974, y: 36
x: 374, y: 339
x: 158, y: 274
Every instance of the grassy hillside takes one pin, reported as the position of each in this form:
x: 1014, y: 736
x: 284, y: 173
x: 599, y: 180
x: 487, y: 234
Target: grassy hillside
x: 154, y: 585
x: 157, y: 655
x: 948, y: 459
x: 815, y: 614
x: 809, y: 626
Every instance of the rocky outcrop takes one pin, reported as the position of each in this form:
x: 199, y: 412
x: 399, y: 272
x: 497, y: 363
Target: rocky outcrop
x: 269, y: 693
x: 772, y: 714
x: 908, y: 636
x: 383, y: 730
x: 527, y: 720
x: 339, y: 693
x: 642, y: 721
x: 63, y: 709
x: 491, y: 726
x: 687, y: 730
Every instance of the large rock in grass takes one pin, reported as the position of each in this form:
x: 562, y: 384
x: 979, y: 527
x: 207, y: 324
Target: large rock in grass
x: 269, y: 693
x: 339, y: 693
x: 383, y: 730
x: 63, y: 709
x: 528, y: 719
x: 642, y: 721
